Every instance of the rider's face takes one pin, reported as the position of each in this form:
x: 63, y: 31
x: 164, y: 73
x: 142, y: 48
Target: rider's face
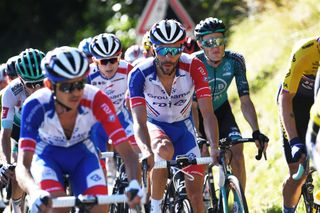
x: 108, y: 66
x: 213, y: 45
x: 168, y: 56
x: 70, y: 92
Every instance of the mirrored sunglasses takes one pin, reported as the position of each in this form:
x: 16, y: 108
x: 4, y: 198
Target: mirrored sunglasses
x: 33, y: 85
x: 108, y: 60
x: 163, y: 51
x: 70, y: 87
x: 213, y: 42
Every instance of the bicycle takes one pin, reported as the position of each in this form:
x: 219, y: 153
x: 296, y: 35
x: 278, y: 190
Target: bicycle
x: 227, y: 181
x: 308, y: 187
x: 175, y: 197
x: 121, y: 182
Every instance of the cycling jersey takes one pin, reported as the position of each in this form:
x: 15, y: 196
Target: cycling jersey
x: 13, y: 97
x: 116, y: 88
x: 56, y: 155
x: 220, y: 78
x: 145, y: 88
x: 41, y: 125
x: 303, y: 68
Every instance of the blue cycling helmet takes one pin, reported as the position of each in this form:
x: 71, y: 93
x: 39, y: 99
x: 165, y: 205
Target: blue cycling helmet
x: 64, y: 63
x: 84, y: 46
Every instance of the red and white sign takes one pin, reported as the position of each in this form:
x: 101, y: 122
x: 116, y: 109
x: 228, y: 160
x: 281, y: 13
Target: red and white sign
x: 155, y: 10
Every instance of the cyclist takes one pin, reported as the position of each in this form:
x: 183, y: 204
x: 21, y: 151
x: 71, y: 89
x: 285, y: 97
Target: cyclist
x: 84, y: 46
x: 3, y: 76
x: 313, y: 128
x: 134, y: 54
x: 161, y: 90
x: 222, y: 67
x: 190, y: 45
x: 109, y: 73
x: 30, y: 78
x: 295, y: 98
x: 55, y: 138
x: 147, y: 46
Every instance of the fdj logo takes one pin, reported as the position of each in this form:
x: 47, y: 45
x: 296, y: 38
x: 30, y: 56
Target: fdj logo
x: 169, y: 104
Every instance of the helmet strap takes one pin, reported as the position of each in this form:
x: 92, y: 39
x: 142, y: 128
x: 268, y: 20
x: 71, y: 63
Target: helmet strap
x: 158, y: 63
x: 67, y: 108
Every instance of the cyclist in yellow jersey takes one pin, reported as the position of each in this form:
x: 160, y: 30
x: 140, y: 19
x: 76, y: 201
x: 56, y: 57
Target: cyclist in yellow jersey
x: 295, y: 99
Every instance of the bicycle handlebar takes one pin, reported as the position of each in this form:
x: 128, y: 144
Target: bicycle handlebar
x: 71, y: 201
x: 182, y: 162
x: 113, y: 154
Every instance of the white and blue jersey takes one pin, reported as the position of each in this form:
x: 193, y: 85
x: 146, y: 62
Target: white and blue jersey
x: 116, y: 89
x: 55, y: 154
x: 170, y: 114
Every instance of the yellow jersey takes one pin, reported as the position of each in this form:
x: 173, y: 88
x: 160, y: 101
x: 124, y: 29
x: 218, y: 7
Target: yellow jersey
x: 303, y: 67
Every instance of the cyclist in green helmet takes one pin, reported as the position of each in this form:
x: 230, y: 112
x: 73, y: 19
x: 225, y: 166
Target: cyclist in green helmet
x: 30, y: 78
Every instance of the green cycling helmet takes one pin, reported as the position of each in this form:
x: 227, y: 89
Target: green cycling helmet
x: 28, y: 65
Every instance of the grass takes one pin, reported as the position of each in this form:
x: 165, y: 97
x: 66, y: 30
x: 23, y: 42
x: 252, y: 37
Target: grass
x: 266, y: 41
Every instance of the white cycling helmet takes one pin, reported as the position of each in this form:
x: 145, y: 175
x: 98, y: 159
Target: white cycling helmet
x: 105, y: 45
x: 133, y: 53
x: 167, y: 32
x: 64, y: 63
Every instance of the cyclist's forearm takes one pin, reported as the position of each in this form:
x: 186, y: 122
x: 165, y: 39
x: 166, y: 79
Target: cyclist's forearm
x: 249, y: 112
x: 211, y: 129
x: 142, y: 137
x: 287, y: 116
x: 6, y: 146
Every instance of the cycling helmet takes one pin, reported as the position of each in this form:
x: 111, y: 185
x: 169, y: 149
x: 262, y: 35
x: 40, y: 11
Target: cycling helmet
x: 11, y: 67
x: 3, y: 73
x: 64, y: 63
x: 84, y: 46
x: 105, y: 45
x: 133, y: 53
x: 167, y: 32
x: 146, y: 41
x: 208, y: 26
x: 28, y: 65
x: 190, y: 45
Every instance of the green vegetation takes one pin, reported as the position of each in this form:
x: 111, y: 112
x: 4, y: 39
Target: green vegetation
x: 266, y: 40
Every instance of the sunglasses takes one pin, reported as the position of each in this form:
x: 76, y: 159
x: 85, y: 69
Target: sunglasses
x: 213, y: 42
x: 33, y: 85
x: 163, y: 51
x: 108, y: 60
x: 70, y: 87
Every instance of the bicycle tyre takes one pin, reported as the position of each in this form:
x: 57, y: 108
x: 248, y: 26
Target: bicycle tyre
x: 167, y: 203
x: 240, y: 203
x: 185, y: 208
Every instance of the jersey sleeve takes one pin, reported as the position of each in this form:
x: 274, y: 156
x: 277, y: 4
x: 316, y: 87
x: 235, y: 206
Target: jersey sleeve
x: 302, y: 61
x: 105, y: 113
x: 240, y: 74
x: 9, y: 101
x: 199, y: 75
x: 136, y: 83
x: 31, y: 118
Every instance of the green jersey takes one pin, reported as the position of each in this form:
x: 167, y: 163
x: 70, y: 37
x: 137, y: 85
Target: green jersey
x: 220, y: 78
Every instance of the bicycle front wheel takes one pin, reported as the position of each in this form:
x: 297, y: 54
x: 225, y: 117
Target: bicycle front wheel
x: 239, y: 202
x: 183, y: 206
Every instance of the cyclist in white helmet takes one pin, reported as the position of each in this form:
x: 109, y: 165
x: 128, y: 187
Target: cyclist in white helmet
x: 84, y: 46
x: 30, y: 78
x: 56, y: 141
x: 161, y: 90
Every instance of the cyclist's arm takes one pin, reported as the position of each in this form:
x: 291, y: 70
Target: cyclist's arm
x: 139, y: 115
x: 23, y: 174
x: 6, y: 145
x: 210, y: 122
x: 287, y: 115
x: 249, y: 112
x: 195, y: 117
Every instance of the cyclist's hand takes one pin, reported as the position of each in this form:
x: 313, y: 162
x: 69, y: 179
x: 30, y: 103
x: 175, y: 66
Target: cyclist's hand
x: 39, y: 201
x: 297, y: 149
x: 261, y: 143
x: 6, y: 174
x: 215, y: 156
x: 134, y: 193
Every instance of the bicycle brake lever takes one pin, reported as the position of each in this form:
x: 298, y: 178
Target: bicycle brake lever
x: 259, y: 155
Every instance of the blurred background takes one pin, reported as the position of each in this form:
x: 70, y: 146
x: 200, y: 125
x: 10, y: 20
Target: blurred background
x: 264, y: 31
